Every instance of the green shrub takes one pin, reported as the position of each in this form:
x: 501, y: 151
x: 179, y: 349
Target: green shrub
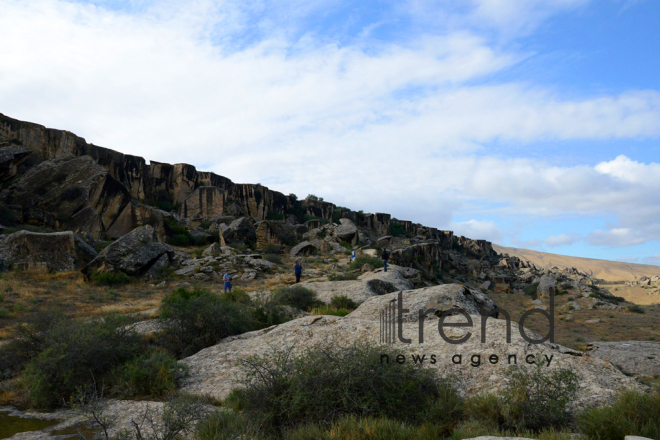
x: 397, y: 229
x: 7, y: 216
x: 268, y: 312
x: 343, y: 276
x: 325, y: 383
x: 110, y: 278
x: 567, y: 285
x: 636, y: 309
x: 531, y: 289
x: 196, y: 319
x: 328, y: 310
x: 631, y: 413
x: 236, y: 295
x: 533, y: 400
x: 361, y: 260
x: 4, y: 313
x: 273, y: 258
x: 154, y: 374
x: 100, y: 245
x: 74, y: 354
x: 343, y: 302
x: 295, y: 296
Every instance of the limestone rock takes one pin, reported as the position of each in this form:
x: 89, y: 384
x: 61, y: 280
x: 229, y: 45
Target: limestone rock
x: 54, y: 252
x: 204, y: 202
x: 304, y: 248
x: 380, y: 287
x: 347, y: 231
x: 640, y: 358
x: 367, y: 268
x: 546, y: 287
x: 134, y: 254
x: 260, y: 264
x: 240, y: 230
x: 11, y: 156
x: 212, y: 250
x: 214, y: 370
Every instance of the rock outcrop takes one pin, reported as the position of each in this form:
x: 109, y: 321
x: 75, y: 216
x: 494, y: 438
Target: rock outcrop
x: 214, y: 370
x: 136, y: 254
x: 639, y: 358
x: 53, y: 252
x: 11, y: 157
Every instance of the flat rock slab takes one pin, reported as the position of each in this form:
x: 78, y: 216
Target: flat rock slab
x: 640, y: 358
x: 214, y: 371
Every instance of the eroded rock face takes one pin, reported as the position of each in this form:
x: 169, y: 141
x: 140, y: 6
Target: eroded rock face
x: 69, y: 193
x: 137, y: 253
x: 54, y: 252
x: 214, y: 371
x: 204, y: 202
x: 546, y: 287
x: 240, y: 230
x: 304, y: 248
x: 11, y: 156
x: 640, y: 358
x: 347, y: 231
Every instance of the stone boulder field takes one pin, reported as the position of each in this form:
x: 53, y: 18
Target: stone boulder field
x: 133, y: 294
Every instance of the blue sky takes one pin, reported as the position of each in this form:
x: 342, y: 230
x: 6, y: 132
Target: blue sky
x: 529, y: 123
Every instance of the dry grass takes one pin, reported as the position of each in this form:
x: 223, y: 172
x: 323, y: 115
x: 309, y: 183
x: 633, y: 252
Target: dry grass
x: 24, y: 293
x: 613, y: 325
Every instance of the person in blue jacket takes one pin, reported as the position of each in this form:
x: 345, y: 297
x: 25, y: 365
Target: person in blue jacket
x: 298, y: 271
x: 227, y: 279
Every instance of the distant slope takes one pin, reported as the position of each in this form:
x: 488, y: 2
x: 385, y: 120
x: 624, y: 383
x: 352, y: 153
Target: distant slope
x: 603, y: 269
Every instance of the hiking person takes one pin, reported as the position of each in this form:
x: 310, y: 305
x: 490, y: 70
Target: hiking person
x: 297, y: 269
x: 385, y: 257
x: 227, y: 279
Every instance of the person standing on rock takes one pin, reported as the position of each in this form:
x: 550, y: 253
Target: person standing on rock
x: 297, y: 269
x: 227, y: 279
x: 385, y: 257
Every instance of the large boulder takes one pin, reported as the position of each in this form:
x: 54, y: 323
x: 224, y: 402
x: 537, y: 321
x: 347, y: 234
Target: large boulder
x: 547, y: 286
x: 215, y: 371
x: 304, y: 248
x: 136, y: 254
x: 54, y: 252
x: 347, y: 231
x: 75, y: 194
x: 240, y: 230
x: 11, y: 156
x: 639, y: 358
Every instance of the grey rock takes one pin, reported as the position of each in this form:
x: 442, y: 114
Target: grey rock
x: 347, y: 231
x: 380, y: 287
x: 212, y: 250
x: 547, y: 286
x: 485, y: 285
x: 260, y: 264
x: 134, y: 254
x: 640, y: 358
x: 53, y: 252
x: 304, y: 248
x: 367, y: 268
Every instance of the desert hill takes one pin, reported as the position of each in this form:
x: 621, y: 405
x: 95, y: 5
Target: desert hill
x: 601, y: 269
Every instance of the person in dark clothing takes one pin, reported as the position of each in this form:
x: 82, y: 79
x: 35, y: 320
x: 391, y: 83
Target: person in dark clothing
x: 385, y: 257
x: 298, y: 271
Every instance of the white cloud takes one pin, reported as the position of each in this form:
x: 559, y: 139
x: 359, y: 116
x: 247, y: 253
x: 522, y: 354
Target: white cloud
x: 478, y: 230
x: 562, y: 240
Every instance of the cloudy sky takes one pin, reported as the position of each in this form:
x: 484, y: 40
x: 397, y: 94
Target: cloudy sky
x: 530, y: 123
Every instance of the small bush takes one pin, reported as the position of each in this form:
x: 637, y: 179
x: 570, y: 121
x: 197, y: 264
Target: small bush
x: 236, y: 295
x: 631, y: 413
x: 154, y: 374
x: 295, y: 296
x: 636, y: 309
x: 4, y: 313
x: 343, y: 302
x: 268, y: 312
x: 397, y: 229
x: 531, y: 289
x: 74, y: 354
x: 196, y: 319
x: 343, y: 276
x: 224, y: 425
x: 567, y: 285
x: 329, y: 310
x: 325, y: 383
x: 361, y: 260
x: 533, y: 400
x: 273, y: 258
x: 110, y: 278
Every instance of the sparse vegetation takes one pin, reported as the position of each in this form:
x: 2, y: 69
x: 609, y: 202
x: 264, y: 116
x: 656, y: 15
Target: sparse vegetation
x: 631, y: 413
x: 636, y: 309
x: 110, y: 278
x: 531, y: 289
x: 361, y: 260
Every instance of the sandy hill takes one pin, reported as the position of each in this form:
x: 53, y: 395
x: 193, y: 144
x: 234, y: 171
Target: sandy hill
x: 603, y: 269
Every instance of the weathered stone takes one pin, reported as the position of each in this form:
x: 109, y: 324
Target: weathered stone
x: 304, y: 248
x: 366, y: 267
x: 215, y: 371
x: 260, y: 264
x: 640, y: 358
x: 485, y: 285
x: 55, y: 252
x: 346, y: 231
x: 204, y: 202
x: 11, y: 157
x: 546, y: 287
x: 134, y: 254
x: 212, y: 250
x: 380, y: 287
x: 240, y: 231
